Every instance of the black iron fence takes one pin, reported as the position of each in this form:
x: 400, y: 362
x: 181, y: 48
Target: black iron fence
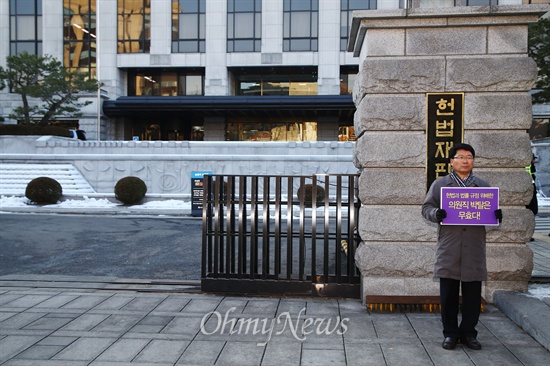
x: 292, y: 235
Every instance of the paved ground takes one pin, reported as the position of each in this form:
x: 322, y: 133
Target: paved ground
x: 90, y: 321
x: 66, y: 327
x: 149, y: 247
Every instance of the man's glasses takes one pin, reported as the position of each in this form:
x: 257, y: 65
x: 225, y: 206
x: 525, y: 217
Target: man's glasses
x: 468, y: 158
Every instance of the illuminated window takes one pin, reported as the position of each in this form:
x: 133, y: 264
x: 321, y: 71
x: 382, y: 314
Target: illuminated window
x: 274, y: 131
x: 26, y: 27
x: 275, y: 81
x: 244, y: 25
x: 176, y: 82
x: 134, y: 26
x: 300, y: 25
x: 348, y: 74
x: 79, y: 35
x: 188, y: 26
x: 347, y: 7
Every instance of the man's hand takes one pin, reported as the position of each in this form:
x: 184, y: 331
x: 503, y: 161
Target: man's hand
x: 498, y: 215
x: 440, y: 214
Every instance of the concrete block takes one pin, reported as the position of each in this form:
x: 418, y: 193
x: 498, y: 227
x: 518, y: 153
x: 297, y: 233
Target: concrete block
x: 323, y: 356
x: 394, y: 286
x: 28, y: 301
x: 118, y: 323
x: 390, y: 113
x: 385, y: 42
x: 395, y: 223
x: 497, y: 111
x: 159, y: 351
x: 518, y: 226
x: 507, y: 39
x: 509, y: 262
x: 85, y: 322
x: 381, y: 186
x: 48, y: 323
x: 15, y: 344
x: 364, y: 354
x: 144, y: 303
x: 500, y: 149
x: 402, y: 259
x: 527, y: 312
x: 57, y: 301
x: 123, y: 350
x: 243, y: 353
x: 84, y: 349
x: 446, y: 41
x: 20, y: 320
x: 515, y: 185
x: 490, y: 73
x: 85, y: 302
x: 38, y: 353
x: 281, y: 353
x: 391, y: 150
x: 402, y: 75
x: 484, y: 20
x: 202, y: 353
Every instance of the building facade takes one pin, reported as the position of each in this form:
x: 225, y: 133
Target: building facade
x: 214, y: 70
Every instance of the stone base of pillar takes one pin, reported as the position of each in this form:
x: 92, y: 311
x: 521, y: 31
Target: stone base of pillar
x: 405, y: 269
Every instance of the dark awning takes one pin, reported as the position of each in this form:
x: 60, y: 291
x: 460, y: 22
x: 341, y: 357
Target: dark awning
x: 307, y: 107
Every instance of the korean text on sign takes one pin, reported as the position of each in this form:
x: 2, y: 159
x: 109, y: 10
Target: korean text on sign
x: 444, y: 130
x: 470, y: 205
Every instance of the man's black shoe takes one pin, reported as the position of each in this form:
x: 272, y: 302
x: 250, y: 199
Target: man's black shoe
x: 449, y: 343
x: 470, y: 342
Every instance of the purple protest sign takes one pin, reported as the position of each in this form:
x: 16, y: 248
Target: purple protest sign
x: 469, y: 205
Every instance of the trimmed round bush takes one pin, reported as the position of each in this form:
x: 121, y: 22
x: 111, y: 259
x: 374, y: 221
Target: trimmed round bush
x: 308, y: 191
x: 44, y: 190
x: 130, y: 190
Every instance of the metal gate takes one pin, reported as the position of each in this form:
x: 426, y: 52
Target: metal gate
x: 268, y: 235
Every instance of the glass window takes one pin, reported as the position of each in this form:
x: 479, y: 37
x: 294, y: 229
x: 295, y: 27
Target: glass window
x: 194, y: 85
x: 134, y: 26
x: 346, y: 9
x: 169, y: 85
x: 275, y: 81
x: 244, y: 25
x: 79, y: 35
x: 26, y: 26
x: 271, y: 131
x: 300, y: 25
x: 348, y: 75
x: 188, y: 26
x: 176, y: 82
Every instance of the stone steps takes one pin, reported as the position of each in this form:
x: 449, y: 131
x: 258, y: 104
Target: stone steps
x: 15, y: 177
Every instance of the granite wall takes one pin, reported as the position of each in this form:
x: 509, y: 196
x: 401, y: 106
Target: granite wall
x: 478, y: 51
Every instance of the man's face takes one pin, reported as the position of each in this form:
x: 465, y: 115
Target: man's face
x: 462, y: 162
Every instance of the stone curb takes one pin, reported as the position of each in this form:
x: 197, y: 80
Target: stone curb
x: 529, y: 313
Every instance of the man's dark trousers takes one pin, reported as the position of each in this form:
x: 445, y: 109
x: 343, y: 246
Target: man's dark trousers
x: 471, y: 307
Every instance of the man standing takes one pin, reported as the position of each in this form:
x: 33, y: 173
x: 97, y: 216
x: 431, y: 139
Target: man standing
x: 460, y: 254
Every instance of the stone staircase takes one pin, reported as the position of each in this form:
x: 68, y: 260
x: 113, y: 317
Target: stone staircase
x: 15, y: 177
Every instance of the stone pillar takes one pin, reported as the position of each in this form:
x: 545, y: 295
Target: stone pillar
x: 478, y: 51
x: 327, y: 128
x: 214, y: 128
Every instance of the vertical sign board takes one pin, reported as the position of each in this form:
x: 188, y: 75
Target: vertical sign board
x: 197, y: 192
x: 444, y: 128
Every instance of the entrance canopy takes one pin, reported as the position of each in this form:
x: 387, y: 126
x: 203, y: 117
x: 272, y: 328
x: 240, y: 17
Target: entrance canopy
x: 307, y: 107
